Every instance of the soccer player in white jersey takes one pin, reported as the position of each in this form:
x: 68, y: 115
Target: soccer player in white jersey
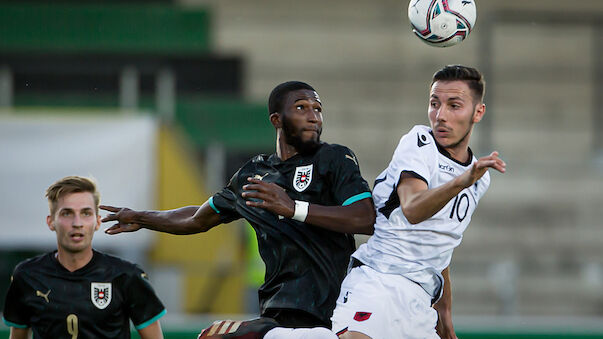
x: 399, y: 284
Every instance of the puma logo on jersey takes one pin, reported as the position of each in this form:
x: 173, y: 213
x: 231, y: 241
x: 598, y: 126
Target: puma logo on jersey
x: 345, y: 297
x: 422, y: 140
x: 260, y: 177
x: 466, y: 2
x: 144, y: 275
x: 352, y: 158
x: 45, y: 296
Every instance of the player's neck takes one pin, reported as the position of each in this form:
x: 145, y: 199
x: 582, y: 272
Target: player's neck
x: 74, y: 261
x: 458, y: 152
x: 283, y: 150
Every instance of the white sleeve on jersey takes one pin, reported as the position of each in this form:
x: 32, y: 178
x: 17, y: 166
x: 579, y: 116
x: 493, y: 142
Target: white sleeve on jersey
x: 414, y: 153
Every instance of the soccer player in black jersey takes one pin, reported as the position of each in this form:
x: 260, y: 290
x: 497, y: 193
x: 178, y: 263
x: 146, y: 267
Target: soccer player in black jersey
x: 304, y: 202
x: 75, y: 291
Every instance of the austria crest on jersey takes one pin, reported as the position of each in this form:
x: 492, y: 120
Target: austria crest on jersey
x: 302, y: 177
x: 101, y: 294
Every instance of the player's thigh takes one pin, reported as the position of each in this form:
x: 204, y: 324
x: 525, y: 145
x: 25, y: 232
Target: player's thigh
x: 363, y: 305
x: 383, y: 306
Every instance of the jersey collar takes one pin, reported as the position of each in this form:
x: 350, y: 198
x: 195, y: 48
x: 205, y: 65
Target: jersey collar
x: 445, y: 153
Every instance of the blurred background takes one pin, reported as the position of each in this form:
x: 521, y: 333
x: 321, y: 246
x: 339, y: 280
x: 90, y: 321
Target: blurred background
x: 162, y: 101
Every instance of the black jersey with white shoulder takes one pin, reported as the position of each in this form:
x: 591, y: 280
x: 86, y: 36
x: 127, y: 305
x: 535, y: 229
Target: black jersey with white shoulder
x: 95, y: 301
x: 305, y: 264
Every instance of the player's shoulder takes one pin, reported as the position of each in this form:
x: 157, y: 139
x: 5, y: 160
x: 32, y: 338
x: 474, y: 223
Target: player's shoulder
x: 116, y: 263
x: 33, y: 263
x: 419, y: 135
x: 330, y: 149
x: 257, y: 159
x: 336, y: 153
x: 418, y: 139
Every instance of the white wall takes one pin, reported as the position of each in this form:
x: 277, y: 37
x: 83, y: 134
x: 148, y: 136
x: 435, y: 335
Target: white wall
x: 38, y: 149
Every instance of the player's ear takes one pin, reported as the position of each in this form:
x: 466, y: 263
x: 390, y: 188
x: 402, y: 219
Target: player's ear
x: 98, y: 222
x: 276, y: 120
x: 49, y: 222
x: 480, y: 110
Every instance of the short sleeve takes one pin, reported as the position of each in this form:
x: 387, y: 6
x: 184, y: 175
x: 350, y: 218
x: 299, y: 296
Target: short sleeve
x: 224, y: 202
x: 411, y: 155
x: 16, y: 313
x: 144, y: 307
x: 349, y: 185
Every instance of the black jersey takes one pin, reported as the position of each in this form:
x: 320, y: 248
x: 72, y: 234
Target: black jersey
x: 305, y: 264
x: 95, y: 301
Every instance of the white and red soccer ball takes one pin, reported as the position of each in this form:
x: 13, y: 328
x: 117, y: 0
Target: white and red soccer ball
x: 442, y: 23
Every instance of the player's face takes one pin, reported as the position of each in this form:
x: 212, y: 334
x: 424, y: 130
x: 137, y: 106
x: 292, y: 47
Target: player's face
x: 302, y: 120
x: 452, y: 112
x: 75, y: 221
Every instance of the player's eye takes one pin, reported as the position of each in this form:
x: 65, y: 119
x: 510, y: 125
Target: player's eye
x: 65, y: 213
x: 299, y: 107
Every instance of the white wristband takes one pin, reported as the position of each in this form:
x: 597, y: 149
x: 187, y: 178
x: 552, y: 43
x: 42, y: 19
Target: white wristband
x: 301, y: 210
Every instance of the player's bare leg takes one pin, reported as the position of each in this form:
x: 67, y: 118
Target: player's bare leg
x: 353, y: 335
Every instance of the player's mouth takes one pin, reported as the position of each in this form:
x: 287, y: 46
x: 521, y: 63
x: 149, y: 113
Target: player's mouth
x: 312, y: 130
x: 76, y: 236
x: 442, y: 131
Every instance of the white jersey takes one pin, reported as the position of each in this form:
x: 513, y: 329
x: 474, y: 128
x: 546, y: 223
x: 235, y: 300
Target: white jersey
x: 420, y: 252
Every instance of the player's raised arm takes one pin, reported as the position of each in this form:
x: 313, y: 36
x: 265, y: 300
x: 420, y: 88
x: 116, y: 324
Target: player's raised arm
x: 420, y: 203
x: 356, y: 218
x: 184, y: 220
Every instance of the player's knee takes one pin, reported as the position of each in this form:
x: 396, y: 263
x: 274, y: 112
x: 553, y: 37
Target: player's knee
x: 353, y: 335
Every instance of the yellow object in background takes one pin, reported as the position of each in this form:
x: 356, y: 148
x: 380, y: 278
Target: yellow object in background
x: 211, y: 262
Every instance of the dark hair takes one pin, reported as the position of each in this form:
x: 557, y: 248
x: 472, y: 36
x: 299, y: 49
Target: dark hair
x: 472, y: 76
x: 279, y: 93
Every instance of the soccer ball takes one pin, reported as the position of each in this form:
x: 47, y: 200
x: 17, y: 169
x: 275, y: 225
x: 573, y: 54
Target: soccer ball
x: 442, y: 23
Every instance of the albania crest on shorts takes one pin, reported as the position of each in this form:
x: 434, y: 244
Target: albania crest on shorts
x: 302, y: 177
x: 100, y: 293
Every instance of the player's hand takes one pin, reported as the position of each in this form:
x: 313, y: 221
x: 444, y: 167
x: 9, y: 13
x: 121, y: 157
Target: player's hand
x: 123, y: 216
x: 272, y: 197
x: 481, y: 166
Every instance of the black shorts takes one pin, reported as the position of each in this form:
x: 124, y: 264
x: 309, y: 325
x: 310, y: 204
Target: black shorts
x: 294, y: 318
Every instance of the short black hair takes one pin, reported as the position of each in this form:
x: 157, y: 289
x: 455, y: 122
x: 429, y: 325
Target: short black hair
x: 472, y: 76
x: 279, y: 93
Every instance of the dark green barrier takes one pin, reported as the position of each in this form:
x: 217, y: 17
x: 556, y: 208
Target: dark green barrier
x: 111, y: 28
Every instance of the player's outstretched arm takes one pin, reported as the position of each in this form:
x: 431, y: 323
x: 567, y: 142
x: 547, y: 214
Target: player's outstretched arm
x: 419, y: 203
x: 356, y: 218
x: 19, y: 333
x: 153, y: 331
x: 185, y: 220
x: 444, y: 327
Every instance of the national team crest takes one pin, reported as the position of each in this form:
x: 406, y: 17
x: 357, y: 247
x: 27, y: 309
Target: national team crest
x: 302, y: 177
x: 100, y: 293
